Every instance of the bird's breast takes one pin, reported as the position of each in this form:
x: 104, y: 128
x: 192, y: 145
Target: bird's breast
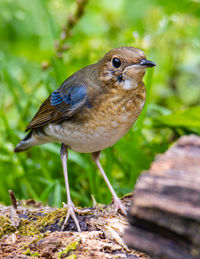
x: 101, y: 126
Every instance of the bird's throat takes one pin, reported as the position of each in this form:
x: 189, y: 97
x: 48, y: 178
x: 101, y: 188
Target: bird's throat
x: 129, y: 84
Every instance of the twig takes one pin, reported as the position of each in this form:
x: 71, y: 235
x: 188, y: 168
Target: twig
x: 14, y: 217
x: 13, y: 199
x: 66, y: 32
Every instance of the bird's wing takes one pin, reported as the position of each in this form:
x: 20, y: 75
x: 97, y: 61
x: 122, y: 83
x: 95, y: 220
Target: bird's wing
x: 60, y: 105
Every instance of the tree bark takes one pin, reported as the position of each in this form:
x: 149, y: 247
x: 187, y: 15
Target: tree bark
x: 165, y: 211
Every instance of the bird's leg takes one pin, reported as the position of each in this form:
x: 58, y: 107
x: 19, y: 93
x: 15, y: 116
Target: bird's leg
x: 117, y: 203
x: 70, y: 206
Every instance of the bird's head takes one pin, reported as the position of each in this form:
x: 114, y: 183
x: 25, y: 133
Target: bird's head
x: 124, y: 67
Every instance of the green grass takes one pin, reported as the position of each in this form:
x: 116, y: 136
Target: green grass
x: 169, y: 34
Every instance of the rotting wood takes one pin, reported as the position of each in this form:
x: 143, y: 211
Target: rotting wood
x: 165, y: 211
x: 32, y: 230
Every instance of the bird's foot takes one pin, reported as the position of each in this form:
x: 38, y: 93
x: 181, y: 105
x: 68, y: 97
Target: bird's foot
x: 119, y: 206
x: 71, y: 210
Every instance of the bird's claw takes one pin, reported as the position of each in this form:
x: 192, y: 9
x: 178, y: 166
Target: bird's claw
x: 71, y: 209
x: 119, y: 206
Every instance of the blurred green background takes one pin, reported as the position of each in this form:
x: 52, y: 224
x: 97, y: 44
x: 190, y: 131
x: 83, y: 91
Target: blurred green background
x: 168, y: 32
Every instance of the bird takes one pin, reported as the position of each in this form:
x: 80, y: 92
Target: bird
x: 90, y: 111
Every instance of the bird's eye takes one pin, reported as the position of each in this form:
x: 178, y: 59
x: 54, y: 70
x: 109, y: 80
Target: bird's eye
x: 116, y: 62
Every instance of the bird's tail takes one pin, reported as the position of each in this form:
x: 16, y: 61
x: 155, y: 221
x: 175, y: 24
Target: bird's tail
x: 31, y: 139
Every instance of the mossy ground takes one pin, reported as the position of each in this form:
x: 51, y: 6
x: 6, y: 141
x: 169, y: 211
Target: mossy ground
x: 35, y: 232
x: 32, y: 223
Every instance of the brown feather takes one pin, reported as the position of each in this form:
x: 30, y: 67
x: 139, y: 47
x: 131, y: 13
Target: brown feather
x: 46, y: 113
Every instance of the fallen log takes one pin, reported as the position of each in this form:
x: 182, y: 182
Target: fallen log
x: 165, y: 211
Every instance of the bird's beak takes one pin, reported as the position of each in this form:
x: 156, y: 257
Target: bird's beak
x: 147, y: 63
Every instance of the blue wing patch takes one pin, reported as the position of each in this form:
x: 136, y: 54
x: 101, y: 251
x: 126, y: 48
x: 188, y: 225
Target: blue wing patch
x: 74, y: 96
x: 55, y: 98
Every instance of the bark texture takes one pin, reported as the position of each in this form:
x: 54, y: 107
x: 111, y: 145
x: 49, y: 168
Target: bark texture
x: 165, y: 210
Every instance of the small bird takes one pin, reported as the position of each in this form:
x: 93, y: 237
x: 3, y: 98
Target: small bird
x: 92, y: 110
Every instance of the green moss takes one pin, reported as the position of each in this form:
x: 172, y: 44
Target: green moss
x: 5, y: 226
x: 35, y: 224
x: 70, y: 247
x: 28, y: 228
x: 28, y: 252
x: 39, y: 237
x: 72, y: 256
